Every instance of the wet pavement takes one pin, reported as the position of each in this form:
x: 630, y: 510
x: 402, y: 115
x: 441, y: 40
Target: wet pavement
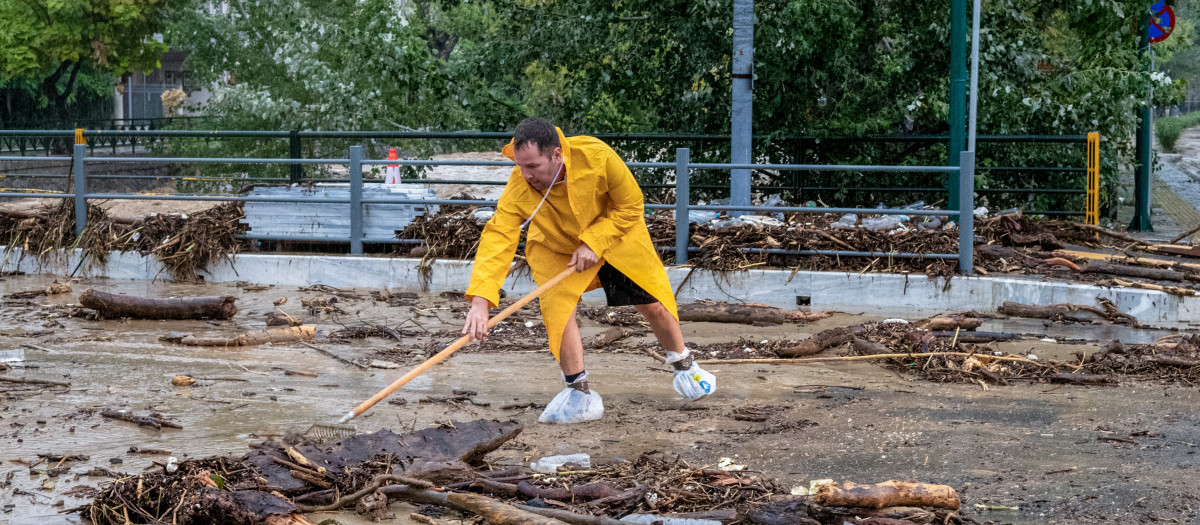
x: 1059, y: 453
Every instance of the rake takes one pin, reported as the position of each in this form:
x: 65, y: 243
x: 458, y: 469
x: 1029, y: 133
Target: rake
x: 340, y: 429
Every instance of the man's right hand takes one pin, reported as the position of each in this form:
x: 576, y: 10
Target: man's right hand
x: 476, y: 326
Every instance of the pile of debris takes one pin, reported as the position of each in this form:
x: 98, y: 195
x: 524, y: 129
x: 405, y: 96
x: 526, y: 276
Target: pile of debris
x: 278, y: 482
x: 182, y: 244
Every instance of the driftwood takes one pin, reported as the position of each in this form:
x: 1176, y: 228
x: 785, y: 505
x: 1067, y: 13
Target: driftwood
x: 820, y: 341
x: 492, y: 511
x: 888, y: 494
x: 33, y: 381
x: 270, y: 335
x: 977, y: 337
x: 1069, y: 312
x: 115, y: 306
x: 589, y: 492
x: 1157, y: 274
x: 865, y: 347
x: 282, y: 319
x: 423, y: 454
x: 949, y: 323
x: 1082, y: 379
x: 611, y: 336
x: 571, y: 517
x: 153, y: 420
x: 744, y: 313
x: 1173, y: 290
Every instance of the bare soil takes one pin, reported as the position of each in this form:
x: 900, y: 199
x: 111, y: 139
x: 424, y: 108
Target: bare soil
x: 1058, y: 453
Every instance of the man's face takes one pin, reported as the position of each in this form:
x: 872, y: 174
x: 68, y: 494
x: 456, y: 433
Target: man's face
x: 538, y: 169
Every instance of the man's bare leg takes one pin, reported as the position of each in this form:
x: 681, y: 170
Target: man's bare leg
x: 570, y: 353
x: 664, y: 325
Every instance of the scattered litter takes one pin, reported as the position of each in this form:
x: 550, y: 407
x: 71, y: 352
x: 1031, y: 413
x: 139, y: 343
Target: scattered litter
x: 550, y: 464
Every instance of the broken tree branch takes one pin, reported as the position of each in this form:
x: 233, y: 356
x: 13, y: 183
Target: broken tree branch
x: 116, y: 306
x: 820, y: 341
x: 744, y: 314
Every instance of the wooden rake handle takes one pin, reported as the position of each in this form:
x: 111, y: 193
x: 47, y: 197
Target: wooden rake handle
x: 438, y: 357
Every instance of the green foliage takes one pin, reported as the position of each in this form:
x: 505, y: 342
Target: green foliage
x: 823, y: 68
x: 50, y: 43
x: 1168, y: 129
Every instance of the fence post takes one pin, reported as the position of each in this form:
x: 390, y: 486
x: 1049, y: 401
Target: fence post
x: 296, y: 171
x: 966, y: 208
x: 683, y: 197
x: 1092, y: 206
x: 80, y: 188
x: 356, y: 209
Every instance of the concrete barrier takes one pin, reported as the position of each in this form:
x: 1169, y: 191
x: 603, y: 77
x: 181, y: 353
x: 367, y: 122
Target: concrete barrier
x: 887, y: 294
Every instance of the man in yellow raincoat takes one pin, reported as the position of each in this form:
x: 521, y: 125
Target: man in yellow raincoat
x: 584, y: 210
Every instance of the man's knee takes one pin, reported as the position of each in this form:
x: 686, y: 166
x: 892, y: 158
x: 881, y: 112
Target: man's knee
x: 653, y: 310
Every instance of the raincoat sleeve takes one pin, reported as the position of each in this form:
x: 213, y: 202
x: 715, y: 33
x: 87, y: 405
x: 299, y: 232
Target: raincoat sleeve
x: 625, y: 208
x: 497, y: 246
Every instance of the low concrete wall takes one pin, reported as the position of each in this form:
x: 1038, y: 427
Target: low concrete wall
x: 906, y: 295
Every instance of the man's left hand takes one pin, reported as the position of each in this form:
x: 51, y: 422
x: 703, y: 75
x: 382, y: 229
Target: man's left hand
x: 583, y: 258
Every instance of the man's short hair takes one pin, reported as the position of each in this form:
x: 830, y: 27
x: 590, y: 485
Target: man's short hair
x: 539, y: 131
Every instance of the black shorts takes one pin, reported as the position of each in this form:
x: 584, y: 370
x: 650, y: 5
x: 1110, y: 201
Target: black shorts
x: 621, y: 290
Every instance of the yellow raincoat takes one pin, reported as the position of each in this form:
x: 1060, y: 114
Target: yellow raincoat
x: 605, y: 205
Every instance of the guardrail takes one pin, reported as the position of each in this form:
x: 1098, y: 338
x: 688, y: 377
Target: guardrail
x: 1016, y: 182
x: 683, y: 206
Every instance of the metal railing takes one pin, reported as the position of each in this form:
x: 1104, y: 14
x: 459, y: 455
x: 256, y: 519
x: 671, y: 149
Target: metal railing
x: 1019, y: 182
x: 682, y: 207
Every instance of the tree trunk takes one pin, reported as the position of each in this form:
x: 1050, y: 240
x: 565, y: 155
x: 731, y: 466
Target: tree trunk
x: 117, y: 306
x: 1070, y: 312
x: 270, y: 335
x: 1157, y: 274
x: 743, y: 313
x: 888, y: 494
x: 611, y: 336
x: 820, y: 341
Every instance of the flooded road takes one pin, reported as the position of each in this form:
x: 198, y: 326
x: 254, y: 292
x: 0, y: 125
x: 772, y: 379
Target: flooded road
x: 1058, y: 453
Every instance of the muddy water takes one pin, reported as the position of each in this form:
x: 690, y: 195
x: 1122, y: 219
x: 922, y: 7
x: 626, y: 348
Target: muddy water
x: 1040, y: 448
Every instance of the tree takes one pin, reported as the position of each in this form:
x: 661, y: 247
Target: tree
x: 51, y: 42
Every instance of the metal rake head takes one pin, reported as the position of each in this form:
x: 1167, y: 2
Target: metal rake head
x: 322, y: 433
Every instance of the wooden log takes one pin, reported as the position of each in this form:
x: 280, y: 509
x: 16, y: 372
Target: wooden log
x: 1082, y: 379
x: 116, y: 306
x: 147, y: 421
x: 744, y: 314
x: 270, y: 335
x: 949, y: 323
x: 492, y: 511
x: 821, y: 340
x: 1158, y: 274
x: 589, y: 492
x: 611, y: 336
x: 864, y: 347
x: 33, y: 381
x: 1173, y: 290
x: 888, y: 494
x: 1186, y: 251
x: 495, y: 512
x: 1070, y: 312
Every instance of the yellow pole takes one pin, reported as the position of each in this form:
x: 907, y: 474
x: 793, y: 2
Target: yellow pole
x: 1092, y: 211
x: 79, y: 136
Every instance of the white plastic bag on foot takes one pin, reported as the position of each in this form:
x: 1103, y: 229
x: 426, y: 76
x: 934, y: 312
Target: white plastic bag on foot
x: 695, y: 382
x: 575, y: 404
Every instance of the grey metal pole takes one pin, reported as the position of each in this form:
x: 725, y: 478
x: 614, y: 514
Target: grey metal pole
x: 973, y: 118
x: 80, y: 188
x: 966, y: 218
x: 356, y: 206
x: 683, y: 197
x: 742, y: 123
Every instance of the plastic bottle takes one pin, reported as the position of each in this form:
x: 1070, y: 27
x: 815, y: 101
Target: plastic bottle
x: 847, y: 221
x: 550, y: 464
x: 885, y: 223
